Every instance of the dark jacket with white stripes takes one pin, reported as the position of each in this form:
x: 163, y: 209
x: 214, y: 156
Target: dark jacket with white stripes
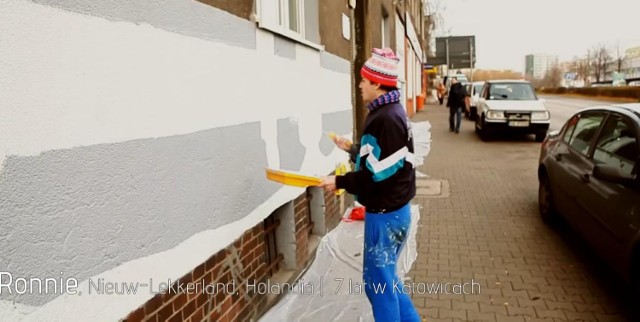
x: 384, y: 177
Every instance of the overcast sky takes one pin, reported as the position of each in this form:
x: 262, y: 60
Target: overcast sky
x: 507, y: 30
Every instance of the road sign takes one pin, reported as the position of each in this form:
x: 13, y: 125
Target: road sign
x: 456, y: 52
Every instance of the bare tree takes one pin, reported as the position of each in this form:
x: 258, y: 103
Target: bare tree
x: 582, y: 70
x: 620, y: 58
x: 437, y: 17
x: 553, y: 78
x: 489, y: 74
x: 580, y: 67
x: 600, y: 60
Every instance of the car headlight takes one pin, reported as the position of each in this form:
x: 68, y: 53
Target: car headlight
x: 495, y: 115
x: 544, y: 115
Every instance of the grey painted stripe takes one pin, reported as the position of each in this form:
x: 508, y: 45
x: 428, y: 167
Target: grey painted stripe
x: 338, y: 122
x: 86, y: 210
x: 284, y: 47
x: 190, y: 18
x: 291, y: 150
x: 335, y: 63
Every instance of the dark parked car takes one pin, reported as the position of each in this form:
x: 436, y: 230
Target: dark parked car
x: 589, y: 175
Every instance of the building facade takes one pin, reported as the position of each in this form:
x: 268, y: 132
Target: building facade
x: 538, y: 65
x: 134, y: 139
x: 631, y: 63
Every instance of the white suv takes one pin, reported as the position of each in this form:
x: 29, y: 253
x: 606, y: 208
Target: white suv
x: 511, y: 106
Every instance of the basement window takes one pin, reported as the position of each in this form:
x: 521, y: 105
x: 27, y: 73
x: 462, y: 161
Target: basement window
x: 272, y: 257
x: 309, y: 218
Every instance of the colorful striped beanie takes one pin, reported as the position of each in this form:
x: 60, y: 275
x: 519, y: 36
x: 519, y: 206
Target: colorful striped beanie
x: 381, y: 67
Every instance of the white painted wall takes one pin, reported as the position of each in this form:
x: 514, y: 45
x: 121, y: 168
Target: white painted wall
x: 70, y: 80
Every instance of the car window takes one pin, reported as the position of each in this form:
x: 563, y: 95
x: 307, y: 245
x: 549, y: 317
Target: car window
x: 569, y: 127
x: 585, y: 131
x: 511, y: 91
x: 485, y: 92
x: 617, y: 145
x: 477, y: 88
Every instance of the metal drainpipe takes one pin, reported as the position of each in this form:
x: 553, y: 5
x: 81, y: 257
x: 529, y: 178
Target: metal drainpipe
x: 352, y: 58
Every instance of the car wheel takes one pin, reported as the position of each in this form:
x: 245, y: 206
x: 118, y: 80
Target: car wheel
x: 483, y: 132
x: 540, y: 137
x: 474, y: 113
x: 546, y: 205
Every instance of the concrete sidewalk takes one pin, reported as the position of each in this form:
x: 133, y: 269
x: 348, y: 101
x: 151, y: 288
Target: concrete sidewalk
x: 480, y: 234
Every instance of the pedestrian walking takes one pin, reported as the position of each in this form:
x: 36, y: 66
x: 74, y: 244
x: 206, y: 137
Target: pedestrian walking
x: 384, y: 182
x: 441, y: 92
x: 456, y: 101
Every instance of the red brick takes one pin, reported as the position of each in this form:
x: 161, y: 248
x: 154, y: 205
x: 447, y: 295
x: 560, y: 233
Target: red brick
x: 214, y: 260
x: 188, y: 309
x: 218, y: 299
x: 214, y: 315
x: 153, y: 304
x: 198, y: 314
x: 226, y: 304
x: 246, y: 314
x: 165, y: 312
x: 247, y: 258
x: 177, y: 317
x: 186, y: 279
x: 252, y: 244
x: 179, y: 302
x: 257, y: 230
x: 198, y: 272
x: 136, y: 316
x: 201, y: 299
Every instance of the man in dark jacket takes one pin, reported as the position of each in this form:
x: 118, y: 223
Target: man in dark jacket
x: 456, y: 102
x: 384, y: 182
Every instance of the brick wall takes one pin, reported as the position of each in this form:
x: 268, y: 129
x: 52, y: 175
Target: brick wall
x: 240, y: 262
x: 333, y: 212
x: 227, y: 272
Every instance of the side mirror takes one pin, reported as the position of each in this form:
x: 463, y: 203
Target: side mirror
x: 614, y: 175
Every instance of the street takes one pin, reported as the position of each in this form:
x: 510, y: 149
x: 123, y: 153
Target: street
x: 484, y: 227
x: 562, y: 108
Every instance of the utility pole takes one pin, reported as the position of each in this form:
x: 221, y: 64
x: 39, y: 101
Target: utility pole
x: 471, y: 59
x: 361, y: 38
x: 446, y: 43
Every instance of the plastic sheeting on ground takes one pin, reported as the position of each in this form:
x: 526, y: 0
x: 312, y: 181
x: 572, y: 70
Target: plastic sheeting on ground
x: 331, y: 289
x: 421, y: 140
x: 422, y: 143
x: 332, y: 286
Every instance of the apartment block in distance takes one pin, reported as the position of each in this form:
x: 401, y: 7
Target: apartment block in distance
x: 538, y: 65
